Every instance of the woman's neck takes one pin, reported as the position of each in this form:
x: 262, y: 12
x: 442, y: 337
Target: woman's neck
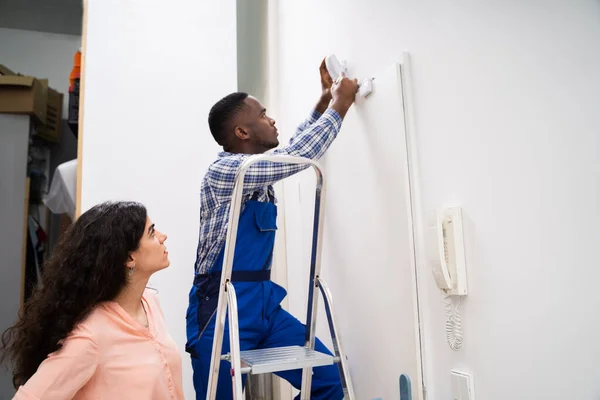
x: 130, y: 298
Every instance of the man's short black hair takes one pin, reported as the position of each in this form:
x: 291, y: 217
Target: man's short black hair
x: 221, y: 114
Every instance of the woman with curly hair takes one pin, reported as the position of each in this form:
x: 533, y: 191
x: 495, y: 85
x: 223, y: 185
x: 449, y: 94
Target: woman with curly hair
x: 91, y: 330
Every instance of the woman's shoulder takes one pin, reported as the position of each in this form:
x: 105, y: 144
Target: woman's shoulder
x: 84, y: 336
x: 92, y: 324
x: 103, y: 321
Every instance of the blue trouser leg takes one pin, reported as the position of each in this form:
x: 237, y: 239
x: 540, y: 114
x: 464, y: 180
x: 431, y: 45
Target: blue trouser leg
x: 286, y: 330
x: 200, y: 377
x: 201, y: 364
x: 251, y: 328
x: 193, y: 332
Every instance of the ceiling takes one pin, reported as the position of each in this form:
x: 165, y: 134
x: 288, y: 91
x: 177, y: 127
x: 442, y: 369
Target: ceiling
x: 55, y: 16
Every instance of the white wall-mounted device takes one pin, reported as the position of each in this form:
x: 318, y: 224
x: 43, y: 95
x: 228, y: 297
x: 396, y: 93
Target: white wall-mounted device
x: 446, y: 253
x: 366, y: 87
x: 450, y: 270
x: 335, y: 68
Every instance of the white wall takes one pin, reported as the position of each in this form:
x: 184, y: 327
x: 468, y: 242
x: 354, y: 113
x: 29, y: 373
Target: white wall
x: 506, y: 100
x: 145, y: 134
x: 43, y: 55
x: 367, y: 257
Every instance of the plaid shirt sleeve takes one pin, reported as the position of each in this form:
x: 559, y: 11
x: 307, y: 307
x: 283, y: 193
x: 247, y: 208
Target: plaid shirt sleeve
x: 312, y: 118
x: 313, y: 137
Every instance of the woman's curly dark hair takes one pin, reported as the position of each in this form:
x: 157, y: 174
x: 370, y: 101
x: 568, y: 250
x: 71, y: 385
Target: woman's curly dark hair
x: 86, y: 268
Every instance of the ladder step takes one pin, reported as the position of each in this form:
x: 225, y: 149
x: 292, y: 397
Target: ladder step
x: 263, y: 361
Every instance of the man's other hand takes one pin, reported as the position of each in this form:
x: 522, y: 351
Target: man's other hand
x: 343, y: 92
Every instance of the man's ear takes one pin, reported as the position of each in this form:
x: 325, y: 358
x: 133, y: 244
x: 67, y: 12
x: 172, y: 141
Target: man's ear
x: 241, y: 133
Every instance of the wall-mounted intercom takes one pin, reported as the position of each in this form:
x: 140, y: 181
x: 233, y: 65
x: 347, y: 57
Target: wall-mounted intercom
x: 447, y: 258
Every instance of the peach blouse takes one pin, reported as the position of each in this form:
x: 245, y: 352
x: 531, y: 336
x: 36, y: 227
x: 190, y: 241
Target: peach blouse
x: 111, y: 356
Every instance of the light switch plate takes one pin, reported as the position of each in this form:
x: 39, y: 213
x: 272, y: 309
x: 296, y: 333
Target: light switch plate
x: 462, y: 385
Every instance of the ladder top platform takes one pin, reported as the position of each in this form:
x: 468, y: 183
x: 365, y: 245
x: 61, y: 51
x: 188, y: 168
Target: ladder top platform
x: 287, y: 358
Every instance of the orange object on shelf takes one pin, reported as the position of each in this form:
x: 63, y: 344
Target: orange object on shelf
x: 75, y: 72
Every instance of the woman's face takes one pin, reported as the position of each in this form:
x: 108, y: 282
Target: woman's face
x: 152, y: 254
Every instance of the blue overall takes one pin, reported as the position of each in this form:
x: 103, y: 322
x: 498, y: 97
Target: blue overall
x: 262, y: 321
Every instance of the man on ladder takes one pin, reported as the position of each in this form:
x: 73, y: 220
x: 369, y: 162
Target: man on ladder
x: 239, y: 123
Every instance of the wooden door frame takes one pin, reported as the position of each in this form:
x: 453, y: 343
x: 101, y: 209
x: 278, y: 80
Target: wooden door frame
x: 80, y: 128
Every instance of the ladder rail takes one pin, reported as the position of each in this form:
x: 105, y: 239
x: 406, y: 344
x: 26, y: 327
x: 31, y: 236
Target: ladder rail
x: 234, y: 343
x: 315, y: 271
x: 343, y: 366
x: 230, y: 242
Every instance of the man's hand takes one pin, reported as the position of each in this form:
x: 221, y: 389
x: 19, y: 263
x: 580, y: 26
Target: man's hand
x: 326, y: 83
x: 343, y: 92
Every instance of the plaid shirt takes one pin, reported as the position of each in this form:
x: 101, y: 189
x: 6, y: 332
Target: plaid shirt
x: 313, y: 137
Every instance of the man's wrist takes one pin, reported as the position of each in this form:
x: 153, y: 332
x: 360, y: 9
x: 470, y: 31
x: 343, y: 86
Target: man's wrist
x: 341, y: 106
x: 323, y: 103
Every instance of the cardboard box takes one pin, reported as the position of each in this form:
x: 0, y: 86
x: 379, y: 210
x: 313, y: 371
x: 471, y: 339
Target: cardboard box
x: 4, y: 70
x: 51, y: 131
x: 28, y: 95
x: 23, y: 95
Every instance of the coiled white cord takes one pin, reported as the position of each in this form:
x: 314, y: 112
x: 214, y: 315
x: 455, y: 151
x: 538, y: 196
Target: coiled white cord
x: 453, y: 324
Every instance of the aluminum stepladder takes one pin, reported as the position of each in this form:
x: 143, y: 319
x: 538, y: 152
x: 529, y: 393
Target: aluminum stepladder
x: 262, y: 361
